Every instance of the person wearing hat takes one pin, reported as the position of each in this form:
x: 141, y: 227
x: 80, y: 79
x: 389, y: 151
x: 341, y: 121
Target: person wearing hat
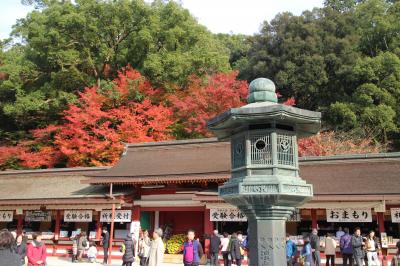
x: 156, y: 254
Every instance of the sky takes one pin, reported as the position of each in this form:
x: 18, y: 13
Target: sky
x: 219, y: 16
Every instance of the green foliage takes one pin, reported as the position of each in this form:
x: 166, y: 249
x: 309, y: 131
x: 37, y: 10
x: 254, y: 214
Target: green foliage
x: 62, y: 47
x: 342, y: 59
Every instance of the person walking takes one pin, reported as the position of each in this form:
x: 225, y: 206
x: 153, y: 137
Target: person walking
x: 225, y: 249
x: 235, y: 250
x: 192, y: 250
x: 7, y: 256
x: 315, y: 247
x: 82, y: 244
x: 144, y: 247
x: 215, y: 243
x: 291, y: 251
x: 358, y: 249
x: 372, y: 248
x: 396, y: 258
x: 156, y: 254
x: 306, y: 252
x: 330, y: 250
x: 346, y: 249
x: 106, y: 243
x: 36, y: 251
x: 129, y: 253
x: 20, y: 249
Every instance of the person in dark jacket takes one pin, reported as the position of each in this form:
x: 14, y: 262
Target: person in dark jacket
x: 7, y: 257
x: 346, y: 248
x: 358, y: 249
x: 20, y: 249
x: 215, y: 243
x: 129, y: 254
x: 315, y: 247
x: 235, y: 250
x: 105, y: 242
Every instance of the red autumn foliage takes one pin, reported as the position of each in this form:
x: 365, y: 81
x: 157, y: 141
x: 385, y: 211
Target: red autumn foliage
x: 97, y: 125
x: 205, y: 99
x: 333, y: 143
x: 131, y: 110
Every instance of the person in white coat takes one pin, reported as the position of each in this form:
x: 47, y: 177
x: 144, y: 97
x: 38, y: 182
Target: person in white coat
x: 330, y: 250
x: 156, y: 254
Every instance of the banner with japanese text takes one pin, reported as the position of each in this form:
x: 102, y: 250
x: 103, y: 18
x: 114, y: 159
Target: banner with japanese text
x: 78, y: 215
x: 6, y: 216
x: 395, y: 213
x: 227, y: 215
x: 349, y: 215
x: 38, y: 216
x: 120, y: 216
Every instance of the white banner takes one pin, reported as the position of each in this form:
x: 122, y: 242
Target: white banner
x: 120, y: 216
x: 227, y: 215
x: 38, y: 216
x: 395, y: 212
x: 78, y: 215
x: 349, y: 215
x: 6, y: 216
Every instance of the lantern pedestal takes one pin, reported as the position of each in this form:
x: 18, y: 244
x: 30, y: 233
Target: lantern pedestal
x: 265, y: 182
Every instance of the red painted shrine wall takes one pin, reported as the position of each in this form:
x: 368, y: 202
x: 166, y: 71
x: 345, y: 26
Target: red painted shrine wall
x: 182, y: 221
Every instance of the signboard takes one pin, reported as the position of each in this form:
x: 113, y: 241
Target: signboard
x: 38, y: 216
x: 295, y: 217
x: 78, y: 215
x: 120, y: 216
x: 395, y: 212
x: 227, y: 215
x: 6, y: 216
x: 349, y: 215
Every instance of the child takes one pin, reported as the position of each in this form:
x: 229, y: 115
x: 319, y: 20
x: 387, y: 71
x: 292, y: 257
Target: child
x: 92, y: 253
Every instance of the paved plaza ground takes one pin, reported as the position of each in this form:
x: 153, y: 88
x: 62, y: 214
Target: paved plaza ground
x: 57, y: 261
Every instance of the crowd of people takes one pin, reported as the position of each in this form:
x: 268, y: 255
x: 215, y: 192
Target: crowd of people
x: 15, y: 251
x: 355, y: 249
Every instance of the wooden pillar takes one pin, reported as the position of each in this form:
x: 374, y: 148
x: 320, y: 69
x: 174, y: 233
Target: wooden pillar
x: 208, y: 230
x: 314, y: 221
x: 111, y: 233
x: 380, y: 217
x: 98, y: 226
x: 136, y: 213
x: 57, y: 226
x: 20, y: 223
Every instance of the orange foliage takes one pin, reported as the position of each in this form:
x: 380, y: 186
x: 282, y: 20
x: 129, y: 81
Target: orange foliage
x: 332, y: 143
x: 204, y: 100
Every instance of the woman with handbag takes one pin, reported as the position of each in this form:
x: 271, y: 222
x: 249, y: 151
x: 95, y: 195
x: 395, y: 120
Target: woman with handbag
x: 144, y: 247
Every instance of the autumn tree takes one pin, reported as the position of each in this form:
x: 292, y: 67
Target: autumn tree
x: 62, y: 47
x: 204, y: 99
x: 94, y: 128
